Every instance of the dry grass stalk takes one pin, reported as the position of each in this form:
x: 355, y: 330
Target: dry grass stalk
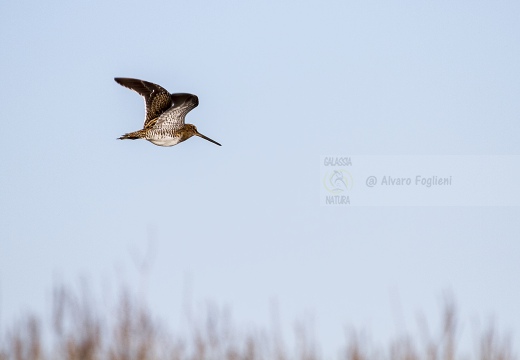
x: 81, y: 332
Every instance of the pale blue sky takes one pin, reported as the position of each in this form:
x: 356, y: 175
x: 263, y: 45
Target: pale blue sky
x: 280, y: 84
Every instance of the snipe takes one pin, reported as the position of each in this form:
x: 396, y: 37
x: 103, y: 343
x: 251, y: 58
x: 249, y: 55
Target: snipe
x: 164, y: 120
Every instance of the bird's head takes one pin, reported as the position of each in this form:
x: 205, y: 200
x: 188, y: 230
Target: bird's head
x: 192, y: 129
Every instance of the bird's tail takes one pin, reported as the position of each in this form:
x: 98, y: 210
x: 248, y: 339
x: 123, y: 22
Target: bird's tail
x: 132, y: 136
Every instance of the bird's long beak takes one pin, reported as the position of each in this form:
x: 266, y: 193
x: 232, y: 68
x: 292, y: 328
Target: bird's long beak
x: 207, y: 138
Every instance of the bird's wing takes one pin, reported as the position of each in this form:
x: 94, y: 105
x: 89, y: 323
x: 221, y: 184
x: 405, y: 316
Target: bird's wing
x: 173, y: 118
x: 156, y: 99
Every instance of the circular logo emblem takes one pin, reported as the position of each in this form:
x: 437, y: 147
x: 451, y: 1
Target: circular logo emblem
x: 338, y: 181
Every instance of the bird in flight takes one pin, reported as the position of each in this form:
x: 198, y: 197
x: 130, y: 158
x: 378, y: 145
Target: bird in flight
x: 164, y: 119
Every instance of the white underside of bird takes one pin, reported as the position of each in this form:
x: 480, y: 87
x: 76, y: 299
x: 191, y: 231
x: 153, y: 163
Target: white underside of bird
x: 166, y: 141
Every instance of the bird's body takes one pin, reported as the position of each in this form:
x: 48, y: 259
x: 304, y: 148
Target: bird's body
x: 164, y: 120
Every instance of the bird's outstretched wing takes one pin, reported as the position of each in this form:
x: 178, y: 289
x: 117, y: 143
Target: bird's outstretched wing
x: 156, y: 99
x: 173, y: 118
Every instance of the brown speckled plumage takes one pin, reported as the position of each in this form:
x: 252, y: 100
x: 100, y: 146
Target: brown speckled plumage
x: 165, y: 113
